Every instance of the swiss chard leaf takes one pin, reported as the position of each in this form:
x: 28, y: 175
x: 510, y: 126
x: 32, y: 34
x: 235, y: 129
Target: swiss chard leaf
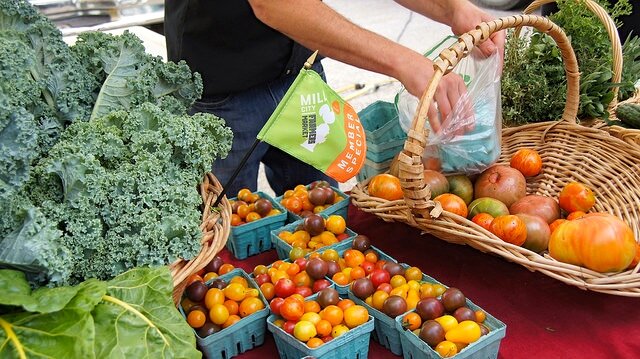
x: 62, y: 334
x: 137, y: 318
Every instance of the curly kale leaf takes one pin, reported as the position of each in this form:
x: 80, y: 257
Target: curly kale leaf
x: 125, y: 76
x: 123, y: 187
x: 30, y: 242
x: 42, y: 86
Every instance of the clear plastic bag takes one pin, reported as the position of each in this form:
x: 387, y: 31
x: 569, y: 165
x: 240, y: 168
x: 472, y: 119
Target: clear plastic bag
x: 468, y: 141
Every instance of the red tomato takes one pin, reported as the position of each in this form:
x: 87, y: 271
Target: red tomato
x: 262, y: 278
x: 288, y: 326
x: 320, y: 284
x: 284, y: 287
x: 304, y: 291
x: 368, y: 267
x: 452, y: 203
x: 379, y: 276
x: 301, y: 262
x: 292, y: 309
x: 386, y: 287
x: 483, y: 220
x: 275, y: 305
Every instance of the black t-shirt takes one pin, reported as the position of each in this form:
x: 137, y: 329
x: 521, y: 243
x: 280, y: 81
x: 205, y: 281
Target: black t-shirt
x: 228, y: 45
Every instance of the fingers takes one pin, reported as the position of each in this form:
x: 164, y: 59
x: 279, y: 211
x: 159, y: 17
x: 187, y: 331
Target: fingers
x: 434, y: 121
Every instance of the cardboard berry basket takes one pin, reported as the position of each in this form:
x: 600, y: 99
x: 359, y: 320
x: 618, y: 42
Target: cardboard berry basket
x: 570, y: 152
x: 339, y: 208
x: 354, y: 344
x: 283, y: 248
x: 486, y: 347
x: 216, y: 226
x: 248, y: 333
x: 253, y: 238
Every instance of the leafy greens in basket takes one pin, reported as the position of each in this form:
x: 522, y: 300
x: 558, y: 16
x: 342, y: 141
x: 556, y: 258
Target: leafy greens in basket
x: 533, y: 79
x: 101, y: 162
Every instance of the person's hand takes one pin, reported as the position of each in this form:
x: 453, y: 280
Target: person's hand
x: 418, y: 72
x: 466, y: 17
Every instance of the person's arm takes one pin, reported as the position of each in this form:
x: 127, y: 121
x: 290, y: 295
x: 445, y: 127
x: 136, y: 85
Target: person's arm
x: 460, y: 15
x: 316, y: 26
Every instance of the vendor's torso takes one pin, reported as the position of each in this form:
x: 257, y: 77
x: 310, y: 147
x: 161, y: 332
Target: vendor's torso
x: 227, y: 44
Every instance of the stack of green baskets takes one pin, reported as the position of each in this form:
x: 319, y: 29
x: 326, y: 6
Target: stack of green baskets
x: 385, y: 137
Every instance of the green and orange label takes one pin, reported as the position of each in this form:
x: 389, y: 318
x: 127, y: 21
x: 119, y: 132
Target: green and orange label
x: 314, y: 124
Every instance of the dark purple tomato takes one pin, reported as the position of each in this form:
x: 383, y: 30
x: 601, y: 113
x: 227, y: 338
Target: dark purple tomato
x: 218, y: 283
x: 208, y: 328
x: 394, y: 306
x: 393, y: 268
x: 362, y: 288
x: 452, y: 299
x: 263, y: 206
x: 361, y: 243
x: 236, y: 204
x: 319, y: 183
x: 331, y: 195
x: 332, y: 268
x: 214, y: 265
x: 317, y: 268
x: 314, y: 224
x: 432, y: 333
x: 317, y: 196
x: 196, y: 291
x: 327, y: 297
x: 463, y: 313
x: 429, y: 308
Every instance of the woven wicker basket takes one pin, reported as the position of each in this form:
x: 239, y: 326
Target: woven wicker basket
x: 569, y: 152
x: 216, y: 226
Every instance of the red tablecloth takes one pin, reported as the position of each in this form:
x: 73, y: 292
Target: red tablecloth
x: 545, y: 318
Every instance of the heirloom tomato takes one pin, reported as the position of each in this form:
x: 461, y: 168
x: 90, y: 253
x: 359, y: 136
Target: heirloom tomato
x: 385, y: 186
x: 452, y: 203
x: 598, y: 241
x: 576, y: 197
x: 527, y: 161
x: 510, y: 228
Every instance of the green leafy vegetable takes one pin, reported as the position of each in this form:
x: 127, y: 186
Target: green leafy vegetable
x: 99, y: 161
x: 131, y: 316
x: 533, y: 80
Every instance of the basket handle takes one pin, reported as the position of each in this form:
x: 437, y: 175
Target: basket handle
x: 612, y: 30
x: 411, y: 169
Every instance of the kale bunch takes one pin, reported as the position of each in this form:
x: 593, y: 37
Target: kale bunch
x: 43, y: 89
x: 100, y: 162
x: 123, y: 188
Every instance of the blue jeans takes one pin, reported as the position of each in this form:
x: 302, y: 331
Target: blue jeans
x: 246, y: 113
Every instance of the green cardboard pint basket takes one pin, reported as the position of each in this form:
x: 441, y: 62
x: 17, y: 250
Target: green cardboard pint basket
x: 240, y: 337
x: 354, y: 344
x: 254, y: 237
x: 486, y: 347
